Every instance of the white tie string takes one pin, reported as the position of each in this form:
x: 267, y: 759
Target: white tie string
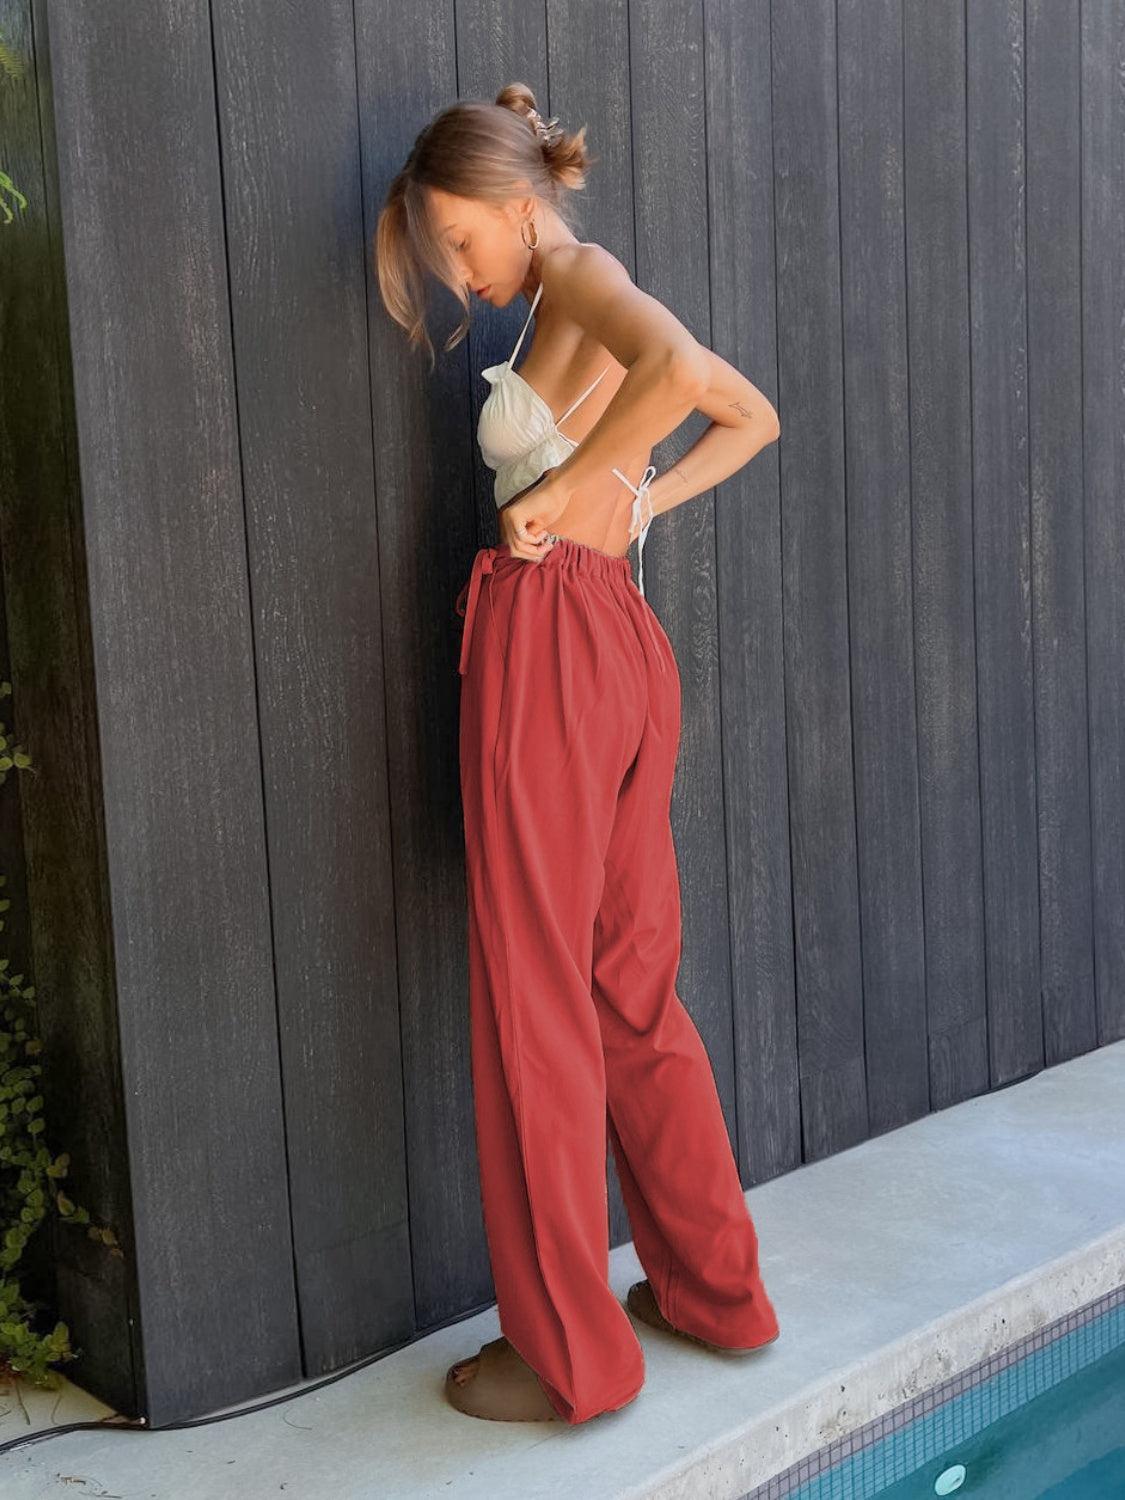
x: 640, y: 521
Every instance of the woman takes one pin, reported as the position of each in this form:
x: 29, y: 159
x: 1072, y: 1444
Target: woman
x: 569, y: 729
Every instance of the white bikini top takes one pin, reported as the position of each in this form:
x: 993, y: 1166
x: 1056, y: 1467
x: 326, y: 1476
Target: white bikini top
x: 520, y: 439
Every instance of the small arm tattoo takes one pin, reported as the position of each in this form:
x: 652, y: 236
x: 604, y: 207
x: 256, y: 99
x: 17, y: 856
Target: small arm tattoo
x: 738, y: 406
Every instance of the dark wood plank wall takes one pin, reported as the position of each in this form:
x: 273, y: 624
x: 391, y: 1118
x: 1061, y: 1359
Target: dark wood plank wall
x: 901, y: 785
x: 176, y: 639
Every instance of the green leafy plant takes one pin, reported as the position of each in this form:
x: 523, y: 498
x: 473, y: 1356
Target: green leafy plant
x: 15, y: 67
x: 29, y: 1174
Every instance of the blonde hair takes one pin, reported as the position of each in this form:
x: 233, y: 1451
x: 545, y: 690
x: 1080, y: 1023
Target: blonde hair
x: 471, y: 149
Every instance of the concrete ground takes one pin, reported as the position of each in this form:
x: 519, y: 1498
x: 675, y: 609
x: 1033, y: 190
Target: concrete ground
x: 891, y: 1265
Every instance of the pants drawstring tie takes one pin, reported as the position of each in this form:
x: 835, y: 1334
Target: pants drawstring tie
x: 467, y: 600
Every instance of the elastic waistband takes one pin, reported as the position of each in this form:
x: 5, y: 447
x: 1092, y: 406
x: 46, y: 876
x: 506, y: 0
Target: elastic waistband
x: 579, y: 557
x: 573, y: 557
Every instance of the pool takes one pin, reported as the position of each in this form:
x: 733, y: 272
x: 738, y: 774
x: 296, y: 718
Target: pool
x: 1043, y: 1418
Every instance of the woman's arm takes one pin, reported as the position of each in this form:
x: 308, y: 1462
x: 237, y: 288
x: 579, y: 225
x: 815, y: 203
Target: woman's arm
x: 668, y: 376
x: 743, y: 422
x: 663, y: 374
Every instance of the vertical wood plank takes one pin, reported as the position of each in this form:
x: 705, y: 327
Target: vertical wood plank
x: 751, y: 661
x: 880, y: 559
x: 942, y: 528
x: 1058, y: 596
x: 818, y: 692
x: 1001, y: 533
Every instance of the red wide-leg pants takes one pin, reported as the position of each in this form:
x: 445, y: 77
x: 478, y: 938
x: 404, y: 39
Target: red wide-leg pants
x: 569, y: 731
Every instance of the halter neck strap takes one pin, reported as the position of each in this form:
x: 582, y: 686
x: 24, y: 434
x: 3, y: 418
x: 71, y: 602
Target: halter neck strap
x: 527, y: 321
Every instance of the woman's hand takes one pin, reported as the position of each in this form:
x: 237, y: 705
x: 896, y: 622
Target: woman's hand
x: 525, y: 524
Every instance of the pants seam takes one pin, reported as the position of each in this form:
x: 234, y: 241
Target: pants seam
x: 496, y: 633
x: 517, y: 1046
x: 669, y: 1295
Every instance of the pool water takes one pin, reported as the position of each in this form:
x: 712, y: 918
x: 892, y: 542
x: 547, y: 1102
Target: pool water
x: 1048, y: 1426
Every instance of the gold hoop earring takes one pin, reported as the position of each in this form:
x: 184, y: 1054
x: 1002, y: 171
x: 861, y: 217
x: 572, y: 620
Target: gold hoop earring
x: 523, y: 236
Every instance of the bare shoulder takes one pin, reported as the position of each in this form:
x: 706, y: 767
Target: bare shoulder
x: 583, y: 270
x: 591, y: 286
x: 584, y: 256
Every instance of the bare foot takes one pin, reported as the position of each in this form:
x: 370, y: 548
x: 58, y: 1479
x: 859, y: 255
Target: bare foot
x: 498, y: 1383
x: 464, y: 1369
